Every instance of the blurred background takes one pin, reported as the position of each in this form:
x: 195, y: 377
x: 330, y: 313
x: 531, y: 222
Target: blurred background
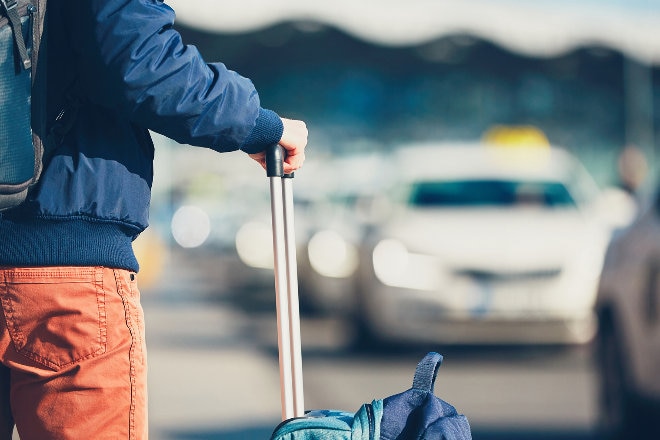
x: 480, y: 181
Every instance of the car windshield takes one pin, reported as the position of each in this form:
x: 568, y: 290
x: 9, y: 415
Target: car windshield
x: 467, y: 193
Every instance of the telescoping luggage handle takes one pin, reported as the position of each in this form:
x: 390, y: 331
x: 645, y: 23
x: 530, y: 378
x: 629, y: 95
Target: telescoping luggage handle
x: 286, y: 284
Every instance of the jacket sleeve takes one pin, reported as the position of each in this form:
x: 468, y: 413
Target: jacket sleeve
x: 131, y: 59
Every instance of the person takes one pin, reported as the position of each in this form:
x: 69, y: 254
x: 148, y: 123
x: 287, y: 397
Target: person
x: 72, y: 351
x: 632, y: 169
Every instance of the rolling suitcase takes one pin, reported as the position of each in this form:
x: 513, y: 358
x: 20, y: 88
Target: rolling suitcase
x: 415, y: 414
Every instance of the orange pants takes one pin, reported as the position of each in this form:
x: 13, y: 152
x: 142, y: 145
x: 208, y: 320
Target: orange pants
x: 72, y: 355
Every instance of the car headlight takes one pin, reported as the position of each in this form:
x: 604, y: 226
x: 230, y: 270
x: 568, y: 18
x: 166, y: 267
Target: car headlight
x: 331, y: 255
x: 580, y: 278
x: 190, y: 226
x: 395, y: 266
x: 251, y: 246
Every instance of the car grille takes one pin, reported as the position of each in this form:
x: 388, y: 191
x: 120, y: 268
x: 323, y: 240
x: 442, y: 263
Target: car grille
x: 504, y: 277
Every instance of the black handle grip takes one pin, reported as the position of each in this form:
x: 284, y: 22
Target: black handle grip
x: 274, y: 160
x: 275, y: 155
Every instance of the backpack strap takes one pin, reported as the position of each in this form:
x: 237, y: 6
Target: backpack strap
x: 426, y: 372
x: 11, y: 8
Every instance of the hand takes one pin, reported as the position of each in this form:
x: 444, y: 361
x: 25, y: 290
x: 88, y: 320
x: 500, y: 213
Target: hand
x: 294, y: 141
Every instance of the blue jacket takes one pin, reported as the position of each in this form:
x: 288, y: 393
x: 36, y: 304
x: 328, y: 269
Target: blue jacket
x: 127, y: 65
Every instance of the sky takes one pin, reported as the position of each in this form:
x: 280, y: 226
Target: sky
x: 538, y: 27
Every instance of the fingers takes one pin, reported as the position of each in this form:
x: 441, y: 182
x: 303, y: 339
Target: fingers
x: 293, y: 163
x: 294, y: 140
x: 260, y: 158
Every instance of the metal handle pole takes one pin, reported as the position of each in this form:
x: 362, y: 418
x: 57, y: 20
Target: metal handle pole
x: 282, y: 299
x: 292, y: 289
x: 286, y: 286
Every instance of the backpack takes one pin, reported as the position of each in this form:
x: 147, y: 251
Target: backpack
x: 415, y: 414
x: 22, y: 98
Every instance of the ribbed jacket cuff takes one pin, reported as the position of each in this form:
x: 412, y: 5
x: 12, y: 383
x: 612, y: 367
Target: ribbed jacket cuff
x: 267, y: 130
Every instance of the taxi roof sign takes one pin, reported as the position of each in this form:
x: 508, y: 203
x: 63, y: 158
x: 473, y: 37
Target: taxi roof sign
x: 516, y: 136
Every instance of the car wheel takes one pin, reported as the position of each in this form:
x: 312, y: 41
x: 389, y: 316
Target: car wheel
x: 620, y: 415
x: 365, y: 337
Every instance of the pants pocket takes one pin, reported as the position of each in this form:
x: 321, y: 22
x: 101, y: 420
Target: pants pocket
x: 55, y: 316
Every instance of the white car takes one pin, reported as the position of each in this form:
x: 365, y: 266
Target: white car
x: 628, y: 340
x: 485, y: 245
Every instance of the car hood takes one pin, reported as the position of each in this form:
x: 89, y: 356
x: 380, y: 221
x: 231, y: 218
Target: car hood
x: 501, y: 240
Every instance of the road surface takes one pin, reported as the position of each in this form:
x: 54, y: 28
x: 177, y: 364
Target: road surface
x: 214, y: 374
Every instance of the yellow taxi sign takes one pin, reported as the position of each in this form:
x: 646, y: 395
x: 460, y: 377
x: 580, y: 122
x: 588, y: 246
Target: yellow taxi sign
x: 516, y: 136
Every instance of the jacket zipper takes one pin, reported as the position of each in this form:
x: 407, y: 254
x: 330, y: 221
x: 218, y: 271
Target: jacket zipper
x: 372, y: 421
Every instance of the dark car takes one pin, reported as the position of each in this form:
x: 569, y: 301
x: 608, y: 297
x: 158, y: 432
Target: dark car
x: 628, y: 338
